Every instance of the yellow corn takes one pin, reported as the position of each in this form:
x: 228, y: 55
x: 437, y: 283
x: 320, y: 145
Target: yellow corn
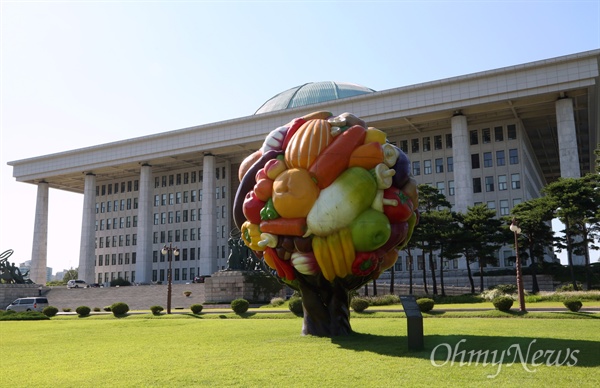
x: 336, y: 253
x: 321, y: 252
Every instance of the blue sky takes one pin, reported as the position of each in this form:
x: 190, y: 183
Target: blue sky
x: 76, y: 74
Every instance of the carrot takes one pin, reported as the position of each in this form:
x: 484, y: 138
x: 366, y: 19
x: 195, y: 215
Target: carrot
x: 284, y: 226
x: 366, y: 156
x: 334, y: 159
x: 284, y: 268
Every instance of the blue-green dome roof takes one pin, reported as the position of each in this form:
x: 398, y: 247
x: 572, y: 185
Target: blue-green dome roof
x: 312, y: 93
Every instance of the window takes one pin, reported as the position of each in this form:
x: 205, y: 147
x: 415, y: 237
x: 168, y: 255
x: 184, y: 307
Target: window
x: 486, y: 136
x: 450, y: 188
x: 515, y: 181
x: 107, y: 242
x: 185, y: 216
x: 163, y: 199
x: 134, y: 221
x: 108, y: 224
x: 504, y: 207
x: 437, y: 142
x: 404, y: 145
x: 170, y: 217
x: 171, y: 180
x: 427, y: 143
x: 474, y: 137
x: 474, y: 161
x: 487, y: 159
x: 186, y: 178
x: 102, y: 207
x: 192, y: 253
x: 120, y: 259
x: 439, y: 165
x: 448, y: 140
x: 193, y: 177
x: 114, y: 259
x: 163, y: 218
x: 171, y: 198
x: 128, y: 203
x: 178, y: 216
x: 223, y: 191
x: 134, y: 239
x: 155, y: 238
x: 164, y: 181
x: 155, y: 218
x: 416, y: 171
x: 489, y: 183
x: 157, y: 200
x: 185, y: 197
x: 491, y: 205
x: 177, y: 235
x: 162, y: 239
x: 100, y: 259
x: 184, y: 237
x: 511, y: 132
x: 513, y: 156
x: 427, y: 167
x: 193, y: 234
x: 156, y: 182
x: 217, y: 192
x: 129, y: 186
x: 477, y: 185
x: 135, y: 203
x: 500, y: 158
x: 178, y: 179
x: 501, y: 182
x: 178, y: 197
x: 450, y: 163
x: 121, y: 240
x: 414, y: 145
x: 193, y: 196
x: 499, y: 133
x: 441, y: 186
x: 170, y: 236
x: 101, y: 224
x: 217, y: 174
x: 184, y: 255
x: 193, y: 215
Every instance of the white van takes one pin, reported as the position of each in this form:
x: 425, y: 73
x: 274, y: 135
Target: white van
x: 76, y: 284
x: 32, y: 303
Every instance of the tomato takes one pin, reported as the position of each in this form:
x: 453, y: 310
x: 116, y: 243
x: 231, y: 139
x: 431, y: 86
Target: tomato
x: 403, y: 210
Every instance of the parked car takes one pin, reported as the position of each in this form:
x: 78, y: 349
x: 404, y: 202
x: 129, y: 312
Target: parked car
x: 32, y: 303
x: 76, y: 284
x: 200, y: 279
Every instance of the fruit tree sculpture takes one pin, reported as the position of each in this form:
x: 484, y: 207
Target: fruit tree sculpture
x: 326, y: 202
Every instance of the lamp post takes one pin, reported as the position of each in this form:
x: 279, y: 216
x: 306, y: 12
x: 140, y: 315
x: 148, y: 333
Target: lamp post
x: 514, y: 227
x: 169, y: 251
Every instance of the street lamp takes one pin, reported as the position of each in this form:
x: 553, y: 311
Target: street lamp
x: 514, y: 227
x: 170, y: 251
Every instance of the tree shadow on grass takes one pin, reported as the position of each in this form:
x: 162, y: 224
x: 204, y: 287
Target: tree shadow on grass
x: 439, y: 348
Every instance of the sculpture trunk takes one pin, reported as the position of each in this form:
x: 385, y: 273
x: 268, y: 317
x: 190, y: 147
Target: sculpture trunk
x: 326, y: 310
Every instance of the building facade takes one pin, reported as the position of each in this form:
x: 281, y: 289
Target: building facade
x: 495, y: 137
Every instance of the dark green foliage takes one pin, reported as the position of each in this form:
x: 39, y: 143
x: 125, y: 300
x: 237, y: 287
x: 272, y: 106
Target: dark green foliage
x: 466, y: 298
x: 97, y: 309
x: 120, y: 282
x: 66, y: 310
x: 425, y: 304
x: 83, y: 311
x: 239, y: 306
x: 50, y: 311
x: 359, y: 305
x: 106, y: 308
x: 156, y: 310
x: 277, y: 301
x: 382, y: 300
x: 264, y: 286
x: 573, y: 304
x: 119, y: 308
x: 197, y: 308
x: 503, y: 303
x: 569, y: 287
x: 295, y: 306
x: 506, y: 288
x: 22, y: 316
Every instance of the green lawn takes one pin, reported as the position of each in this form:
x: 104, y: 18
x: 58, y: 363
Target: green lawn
x: 217, y: 350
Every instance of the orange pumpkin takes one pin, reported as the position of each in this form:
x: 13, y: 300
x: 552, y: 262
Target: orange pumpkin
x: 307, y: 143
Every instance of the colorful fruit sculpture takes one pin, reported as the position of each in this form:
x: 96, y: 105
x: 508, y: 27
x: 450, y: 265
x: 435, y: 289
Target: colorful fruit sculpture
x: 327, y: 203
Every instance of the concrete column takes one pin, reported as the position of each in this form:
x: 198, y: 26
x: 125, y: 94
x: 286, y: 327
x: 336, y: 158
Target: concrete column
x: 463, y: 177
x: 208, y: 244
x: 143, y: 265
x: 39, y: 252
x: 567, y: 139
x: 87, y: 249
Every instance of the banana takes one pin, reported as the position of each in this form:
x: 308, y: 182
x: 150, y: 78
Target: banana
x: 348, y: 248
x: 321, y: 252
x: 336, y: 253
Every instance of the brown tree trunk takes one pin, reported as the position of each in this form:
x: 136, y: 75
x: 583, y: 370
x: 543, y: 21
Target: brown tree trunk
x: 326, y: 309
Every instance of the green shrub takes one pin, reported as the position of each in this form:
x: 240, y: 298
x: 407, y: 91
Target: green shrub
x: 382, y: 300
x: 106, y: 308
x: 197, y: 308
x: 506, y: 288
x: 573, y: 304
x: 97, y: 309
x: 120, y: 282
x: 465, y: 298
x: 295, y: 306
x: 239, y: 306
x: 83, y: 311
x: 569, y: 287
x: 50, y: 311
x: 503, y: 303
x: 66, y: 310
x: 425, y: 304
x: 11, y: 315
x: 359, y: 304
x: 119, y: 308
x: 277, y: 301
x: 156, y: 310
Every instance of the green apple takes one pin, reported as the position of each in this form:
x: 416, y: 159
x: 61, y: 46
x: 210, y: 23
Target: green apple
x: 370, y: 230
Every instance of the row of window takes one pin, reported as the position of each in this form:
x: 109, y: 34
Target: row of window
x: 178, y: 274
x: 186, y: 215
x: 109, y: 276
x: 447, y: 264
x: 116, y: 259
x: 438, y: 163
x: 474, y: 139
x: 117, y: 223
x: 191, y: 234
x: 515, y: 183
x: 157, y: 256
x: 114, y: 241
x: 504, y: 208
x: 185, y: 197
x: 109, y: 189
x: 185, y: 178
x: 116, y: 205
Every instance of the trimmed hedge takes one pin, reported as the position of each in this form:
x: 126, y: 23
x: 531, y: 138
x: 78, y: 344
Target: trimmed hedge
x: 83, y: 311
x: 295, y: 306
x: 156, y: 310
x: 196, y: 308
x: 359, y: 304
x: 573, y: 304
x: 503, y: 303
x: 240, y: 306
x: 50, y: 311
x: 119, y: 308
x: 425, y: 304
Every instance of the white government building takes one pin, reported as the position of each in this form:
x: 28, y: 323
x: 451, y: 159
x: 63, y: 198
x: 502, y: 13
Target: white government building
x: 494, y: 137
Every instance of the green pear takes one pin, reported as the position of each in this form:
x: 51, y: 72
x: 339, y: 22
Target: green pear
x: 370, y: 230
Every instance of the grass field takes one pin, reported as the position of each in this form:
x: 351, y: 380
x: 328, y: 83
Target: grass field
x: 222, y: 350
